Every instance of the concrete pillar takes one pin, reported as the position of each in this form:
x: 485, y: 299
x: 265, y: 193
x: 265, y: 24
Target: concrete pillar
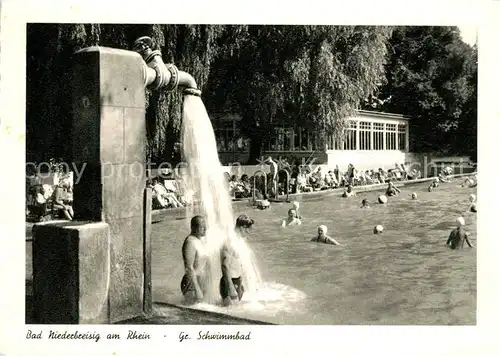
x: 110, y: 200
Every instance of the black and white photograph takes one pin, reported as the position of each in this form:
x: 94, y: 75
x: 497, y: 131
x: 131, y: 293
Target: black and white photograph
x: 192, y: 174
x: 274, y: 180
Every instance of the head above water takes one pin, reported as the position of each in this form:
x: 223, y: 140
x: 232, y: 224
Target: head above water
x: 382, y: 199
x: 198, y: 226
x: 460, y: 221
x: 322, y: 230
x: 244, y: 221
x: 365, y: 202
x: 292, y: 213
x: 378, y: 229
x: 414, y: 196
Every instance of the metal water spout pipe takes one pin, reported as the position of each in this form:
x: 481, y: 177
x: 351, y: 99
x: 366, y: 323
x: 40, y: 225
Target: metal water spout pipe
x: 158, y: 75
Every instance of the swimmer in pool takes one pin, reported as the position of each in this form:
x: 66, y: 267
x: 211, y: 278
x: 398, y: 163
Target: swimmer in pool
x: 322, y: 237
x: 296, y: 207
x: 195, y: 261
x: 348, y: 193
x: 365, y: 204
x: 231, y: 286
x: 473, y: 208
x: 263, y: 203
x: 434, y: 184
x: 458, y: 236
x: 469, y: 182
x: 243, y: 223
x: 392, y: 190
x: 292, y: 219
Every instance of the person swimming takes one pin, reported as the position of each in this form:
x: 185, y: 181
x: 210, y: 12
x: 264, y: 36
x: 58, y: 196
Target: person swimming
x: 292, y: 219
x: 434, y: 184
x: 349, y: 192
x: 470, y: 182
x: 195, y: 261
x: 244, y: 222
x: 296, y: 207
x: 382, y: 199
x: 379, y: 229
x: 365, y: 204
x: 414, y: 196
x: 231, y: 286
x: 458, y: 236
x: 392, y: 190
x: 322, y: 237
x: 263, y: 203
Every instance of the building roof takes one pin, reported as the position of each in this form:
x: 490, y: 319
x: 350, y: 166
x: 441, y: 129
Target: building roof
x: 382, y: 115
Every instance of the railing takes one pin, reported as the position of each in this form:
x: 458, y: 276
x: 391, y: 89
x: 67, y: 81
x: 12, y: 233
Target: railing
x: 259, y: 172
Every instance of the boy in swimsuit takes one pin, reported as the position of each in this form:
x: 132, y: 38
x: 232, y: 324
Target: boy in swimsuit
x: 323, y: 237
x: 195, y: 261
x: 458, y: 236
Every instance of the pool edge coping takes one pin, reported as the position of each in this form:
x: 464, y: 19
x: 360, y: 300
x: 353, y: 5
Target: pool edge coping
x: 213, y: 313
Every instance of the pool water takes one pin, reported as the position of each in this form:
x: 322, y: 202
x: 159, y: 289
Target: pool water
x: 405, y: 276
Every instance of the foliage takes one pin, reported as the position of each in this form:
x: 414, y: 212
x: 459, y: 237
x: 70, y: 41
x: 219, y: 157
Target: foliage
x: 303, y: 76
x: 430, y: 77
x: 49, y: 59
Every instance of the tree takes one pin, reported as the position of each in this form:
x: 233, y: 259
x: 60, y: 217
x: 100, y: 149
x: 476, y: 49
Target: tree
x: 49, y: 63
x: 429, y: 78
x: 305, y: 76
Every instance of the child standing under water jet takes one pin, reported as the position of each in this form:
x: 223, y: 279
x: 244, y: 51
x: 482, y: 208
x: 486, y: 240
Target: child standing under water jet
x: 231, y: 284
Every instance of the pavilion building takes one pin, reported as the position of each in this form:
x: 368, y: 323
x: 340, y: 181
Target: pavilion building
x: 373, y: 140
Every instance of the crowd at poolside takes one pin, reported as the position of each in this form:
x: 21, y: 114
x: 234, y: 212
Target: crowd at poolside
x: 170, y: 191
x: 232, y: 285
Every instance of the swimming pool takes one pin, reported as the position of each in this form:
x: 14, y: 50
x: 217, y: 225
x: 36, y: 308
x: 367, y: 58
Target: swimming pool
x: 404, y: 276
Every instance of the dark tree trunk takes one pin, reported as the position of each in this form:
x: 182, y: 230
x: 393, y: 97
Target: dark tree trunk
x: 256, y: 141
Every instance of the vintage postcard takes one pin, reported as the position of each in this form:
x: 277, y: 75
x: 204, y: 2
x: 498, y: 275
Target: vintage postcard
x: 270, y: 184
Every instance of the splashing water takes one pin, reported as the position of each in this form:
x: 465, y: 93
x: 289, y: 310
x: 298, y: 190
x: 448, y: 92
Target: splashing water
x: 210, y: 197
